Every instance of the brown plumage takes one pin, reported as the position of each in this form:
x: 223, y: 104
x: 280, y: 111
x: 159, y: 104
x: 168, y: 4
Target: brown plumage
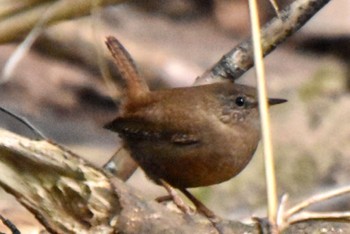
x: 190, y: 137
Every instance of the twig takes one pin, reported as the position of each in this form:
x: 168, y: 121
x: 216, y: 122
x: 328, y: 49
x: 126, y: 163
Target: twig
x: 37, y: 132
x: 308, y: 215
x: 10, y: 225
x: 16, y: 25
x: 240, y: 59
x: 11, y: 7
x: 275, y: 7
x: 24, y: 47
x: 317, y: 198
x: 294, y: 214
x: 280, y: 219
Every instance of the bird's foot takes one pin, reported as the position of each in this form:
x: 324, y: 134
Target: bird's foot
x: 201, y: 208
x: 174, y: 196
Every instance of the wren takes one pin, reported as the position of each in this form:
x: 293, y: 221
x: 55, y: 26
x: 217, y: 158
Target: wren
x: 186, y: 137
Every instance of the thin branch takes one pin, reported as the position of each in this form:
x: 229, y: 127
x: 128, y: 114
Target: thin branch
x: 293, y: 215
x: 39, y: 135
x: 11, y: 7
x: 240, y: 59
x: 16, y: 25
x: 317, y: 198
x: 280, y: 218
x: 10, y: 225
x: 308, y: 215
x: 25, y: 46
x: 275, y: 7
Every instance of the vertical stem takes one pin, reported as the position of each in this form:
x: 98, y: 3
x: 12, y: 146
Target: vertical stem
x: 264, y: 114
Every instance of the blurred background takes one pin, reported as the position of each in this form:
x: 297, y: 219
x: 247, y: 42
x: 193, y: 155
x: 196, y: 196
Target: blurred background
x: 57, y: 85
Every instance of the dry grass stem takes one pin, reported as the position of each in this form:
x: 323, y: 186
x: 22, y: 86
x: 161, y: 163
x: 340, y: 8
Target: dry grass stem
x: 264, y: 113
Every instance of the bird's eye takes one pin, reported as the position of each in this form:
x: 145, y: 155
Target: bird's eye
x: 240, y: 101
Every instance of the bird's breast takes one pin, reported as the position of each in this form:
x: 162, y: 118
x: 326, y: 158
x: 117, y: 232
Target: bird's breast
x: 210, y: 160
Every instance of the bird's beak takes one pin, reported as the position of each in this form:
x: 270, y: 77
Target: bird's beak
x: 275, y: 101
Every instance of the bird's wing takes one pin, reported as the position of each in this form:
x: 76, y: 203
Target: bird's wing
x: 142, y: 129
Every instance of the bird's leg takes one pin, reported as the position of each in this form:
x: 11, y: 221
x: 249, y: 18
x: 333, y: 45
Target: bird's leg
x: 199, y: 205
x: 175, y: 197
x: 164, y: 198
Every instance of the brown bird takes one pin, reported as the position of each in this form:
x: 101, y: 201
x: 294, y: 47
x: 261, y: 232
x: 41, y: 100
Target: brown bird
x: 186, y: 137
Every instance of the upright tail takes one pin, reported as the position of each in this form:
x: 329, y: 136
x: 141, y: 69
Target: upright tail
x: 121, y: 164
x: 135, y: 84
